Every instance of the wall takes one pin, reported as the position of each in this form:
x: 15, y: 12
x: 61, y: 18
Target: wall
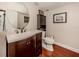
x: 65, y: 33
x: 15, y: 6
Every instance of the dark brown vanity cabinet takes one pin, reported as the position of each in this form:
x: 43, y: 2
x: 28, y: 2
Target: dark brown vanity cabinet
x: 29, y: 47
x: 25, y: 47
x: 38, y: 44
x: 11, y: 49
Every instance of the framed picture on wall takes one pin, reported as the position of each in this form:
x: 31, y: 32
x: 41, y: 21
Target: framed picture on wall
x: 60, y: 17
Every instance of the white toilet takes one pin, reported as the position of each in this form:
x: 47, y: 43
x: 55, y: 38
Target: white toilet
x: 47, y: 42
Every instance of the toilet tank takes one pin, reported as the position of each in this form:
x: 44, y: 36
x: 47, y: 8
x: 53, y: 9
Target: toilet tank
x: 43, y: 34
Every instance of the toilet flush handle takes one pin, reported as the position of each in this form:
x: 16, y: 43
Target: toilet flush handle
x: 52, y: 36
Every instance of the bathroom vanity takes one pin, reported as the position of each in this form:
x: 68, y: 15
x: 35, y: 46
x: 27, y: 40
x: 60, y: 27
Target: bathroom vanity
x: 28, y: 44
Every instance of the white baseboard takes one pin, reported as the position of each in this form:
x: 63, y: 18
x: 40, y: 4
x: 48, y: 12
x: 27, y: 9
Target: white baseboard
x: 67, y: 47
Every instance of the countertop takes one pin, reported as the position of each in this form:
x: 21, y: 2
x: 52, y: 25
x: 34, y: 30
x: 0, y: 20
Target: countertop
x: 21, y: 36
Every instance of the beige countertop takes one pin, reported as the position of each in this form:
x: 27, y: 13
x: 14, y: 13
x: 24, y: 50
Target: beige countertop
x: 21, y: 36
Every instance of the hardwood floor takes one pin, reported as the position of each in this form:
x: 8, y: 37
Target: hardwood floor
x: 58, y: 52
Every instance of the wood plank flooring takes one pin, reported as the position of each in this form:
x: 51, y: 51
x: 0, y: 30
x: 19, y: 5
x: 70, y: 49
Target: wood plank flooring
x: 58, y: 52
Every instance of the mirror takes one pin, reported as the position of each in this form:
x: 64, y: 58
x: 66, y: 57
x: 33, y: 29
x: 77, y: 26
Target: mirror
x: 23, y: 20
x: 16, y: 21
x: 17, y: 18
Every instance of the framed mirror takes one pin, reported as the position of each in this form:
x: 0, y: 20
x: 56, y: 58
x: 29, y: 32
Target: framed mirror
x: 23, y: 20
x: 17, y: 17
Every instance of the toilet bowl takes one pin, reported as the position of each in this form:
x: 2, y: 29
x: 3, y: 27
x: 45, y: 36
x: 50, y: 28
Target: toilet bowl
x: 47, y: 42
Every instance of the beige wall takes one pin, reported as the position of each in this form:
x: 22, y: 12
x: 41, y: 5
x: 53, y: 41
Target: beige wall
x: 65, y: 33
x: 15, y: 6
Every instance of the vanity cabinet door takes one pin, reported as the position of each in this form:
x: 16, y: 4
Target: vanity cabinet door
x: 11, y: 49
x: 25, y: 48
x: 38, y: 44
x: 20, y: 48
x: 30, y: 50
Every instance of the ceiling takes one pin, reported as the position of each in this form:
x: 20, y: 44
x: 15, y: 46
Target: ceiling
x: 45, y: 6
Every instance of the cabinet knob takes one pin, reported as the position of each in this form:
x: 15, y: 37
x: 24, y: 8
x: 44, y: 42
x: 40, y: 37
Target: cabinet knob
x: 28, y: 43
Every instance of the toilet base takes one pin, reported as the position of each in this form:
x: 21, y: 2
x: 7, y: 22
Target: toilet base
x: 48, y: 47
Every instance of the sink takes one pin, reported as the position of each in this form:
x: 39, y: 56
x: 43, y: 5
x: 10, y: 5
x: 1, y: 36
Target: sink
x: 21, y: 36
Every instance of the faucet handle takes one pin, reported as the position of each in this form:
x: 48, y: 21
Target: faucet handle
x: 17, y: 31
x: 24, y: 30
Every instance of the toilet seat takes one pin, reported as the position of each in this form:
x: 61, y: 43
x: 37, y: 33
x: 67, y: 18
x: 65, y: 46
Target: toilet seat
x: 48, y: 40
